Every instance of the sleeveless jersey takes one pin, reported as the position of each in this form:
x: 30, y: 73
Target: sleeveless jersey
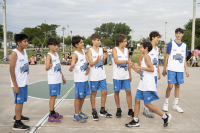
x: 176, y: 60
x: 55, y: 73
x: 147, y: 81
x: 21, y: 69
x: 154, y: 59
x: 80, y: 68
x: 97, y: 72
x: 120, y: 71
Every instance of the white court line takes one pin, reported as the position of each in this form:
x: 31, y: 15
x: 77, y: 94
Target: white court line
x: 44, y: 119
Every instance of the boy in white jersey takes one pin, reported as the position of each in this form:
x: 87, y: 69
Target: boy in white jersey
x: 122, y: 74
x: 19, y: 76
x: 81, y: 71
x: 147, y: 88
x: 176, y: 59
x: 55, y: 77
x: 154, y: 38
x: 97, y: 76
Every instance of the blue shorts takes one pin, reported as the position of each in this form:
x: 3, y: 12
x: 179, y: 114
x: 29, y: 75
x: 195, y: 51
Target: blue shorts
x: 121, y: 84
x: 98, y: 85
x: 81, y: 89
x: 155, y: 80
x: 175, y: 77
x: 22, y: 96
x: 147, y: 96
x: 54, y: 89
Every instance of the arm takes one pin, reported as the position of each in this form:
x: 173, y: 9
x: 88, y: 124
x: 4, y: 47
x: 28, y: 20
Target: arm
x: 90, y: 59
x: 13, y: 60
x: 186, y: 70
x: 165, y: 65
x: 129, y: 68
x: 159, y: 76
x: 74, y: 60
x: 48, y: 63
x: 114, y: 53
x: 149, y: 64
x: 63, y: 78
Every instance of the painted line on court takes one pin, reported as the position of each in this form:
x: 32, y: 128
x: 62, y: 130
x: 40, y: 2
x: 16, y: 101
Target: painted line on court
x: 44, y: 119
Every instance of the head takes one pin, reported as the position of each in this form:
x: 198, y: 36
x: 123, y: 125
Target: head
x: 53, y: 44
x: 69, y: 53
x: 77, y: 42
x: 154, y: 36
x: 21, y: 40
x: 32, y: 56
x: 63, y: 55
x: 96, y: 39
x: 145, y: 47
x: 121, y: 40
x: 8, y: 53
x: 160, y: 50
x: 38, y: 52
x: 179, y: 33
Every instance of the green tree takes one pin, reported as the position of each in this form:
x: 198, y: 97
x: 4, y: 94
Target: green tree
x: 87, y: 41
x: 68, y: 40
x: 187, y: 38
x: 1, y: 31
x: 9, y: 34
x: 188, y: 26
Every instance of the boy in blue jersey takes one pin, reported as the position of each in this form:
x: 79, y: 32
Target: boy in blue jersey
x: 175, y: 57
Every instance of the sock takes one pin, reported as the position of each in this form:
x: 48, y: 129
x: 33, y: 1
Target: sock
x: 164, y: 116
x: 145, y: 108
x: 93, y: 110
x: 136, y: 119
x: 166, y: 100
x: 18, y: 121
x: 102, y: 109
x: 76, y: 114
x: 118, y: 109
x: 130, y: 110
x: 52, y: 112
x: 176, y: 101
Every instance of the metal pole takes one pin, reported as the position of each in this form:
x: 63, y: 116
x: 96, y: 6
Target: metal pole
x: 193, y: 26
x: 45, y: 21
x: 68, y: 30
x: 4, y: 27
x: 165, y: 35
x: 63, y: 38
x: 131, y: 37
x: 71, y: 41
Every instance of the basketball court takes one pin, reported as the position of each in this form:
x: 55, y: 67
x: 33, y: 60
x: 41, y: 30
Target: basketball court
x: 37, y: 107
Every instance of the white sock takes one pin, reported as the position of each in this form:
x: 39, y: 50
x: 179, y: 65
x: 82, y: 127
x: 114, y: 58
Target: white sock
x: 166, y: 100
x: 145, y: 108
x: 76, y: 114
x: 136, y: 119
x: 164, y: 116
x: 176, y: 101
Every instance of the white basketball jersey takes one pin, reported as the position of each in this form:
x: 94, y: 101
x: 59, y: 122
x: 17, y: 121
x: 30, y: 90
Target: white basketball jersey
x: 80, y: 68
x: 97, y: 72
x: 147, y: 81
x: 55, y: 73
x: 120, y: 71
x: 176, y: 60
x: 154, y: 59
x: 21, y: 69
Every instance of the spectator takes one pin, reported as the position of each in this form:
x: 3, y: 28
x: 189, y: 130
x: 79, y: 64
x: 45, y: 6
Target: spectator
x: 104, y: 54
x: 109, y: 51
x: 160, y: 57
x: 188, y: 57
x: 32, y: 60
x: 69, y: 57
x: 194, y: 61
x: 38, y: 56
x: 62, y: 60
x: 196, y: 51
x: 131, y: 50
x: 7, y: 57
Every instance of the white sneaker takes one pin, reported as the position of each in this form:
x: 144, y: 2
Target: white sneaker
x: 165, y: 107
x: 177, y: 108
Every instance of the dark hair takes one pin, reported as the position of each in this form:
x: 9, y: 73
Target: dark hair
x: 63, y: 54
x: 161, y: 50
x: 76, y: 40
x: 20, y: 37
x: 179, y: 30
x: 32, y: 55
x: 95, y: 36
x: 154, y: 34
x: 120, y: 38
x: 147, y: 44
x: 70, y: 53
x: 52, y: 41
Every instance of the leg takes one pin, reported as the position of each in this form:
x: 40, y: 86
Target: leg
x: 159, y: 61
x: 81, y: 103
x: 108, y: 59
x: 129, y: 98
x: 117, y: 100
x: 92, y: 98
x: 169, y: 88
x: 52, y: 102
x: 77, y: 102
x: 154, y: 109
x: 177, y: 90
x: 18, y: 111
x: 103, y: 97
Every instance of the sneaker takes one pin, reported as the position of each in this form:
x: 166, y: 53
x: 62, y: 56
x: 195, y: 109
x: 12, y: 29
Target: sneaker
x: 148, y: 114
x: 95, y: 116
x: 177, y: 108
x: 133, y: 123
x: 130, y: 114
x: 58, y: 116
x: 53, y: 119
x: 83, y: 115
x: 118, y: 114
x: 23, y: 119
x: 105, y: 113
x: 165, y: 107
x: 78, y: 118
x: 20, y: 126
x: 167, y: 120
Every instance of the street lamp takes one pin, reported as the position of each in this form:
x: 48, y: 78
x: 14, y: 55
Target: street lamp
x: 71, y: 41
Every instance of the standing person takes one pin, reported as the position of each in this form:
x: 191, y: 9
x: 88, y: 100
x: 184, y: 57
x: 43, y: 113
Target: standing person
x: 19, y: 76
x: 175, y: 58
x: 81, y: 71
x: 160, y: 57
x: 122, y: 74
x: 196, y: 51
x: 55, y: 77
x: 147, y: 88
x: 194, y: 61
x: 109, y: 51
x: 38, y: 56
x: 188, y: 57
x: 62, y: 60
x: 6, y: 57
x: 97, y: 76
x: 131, y: 50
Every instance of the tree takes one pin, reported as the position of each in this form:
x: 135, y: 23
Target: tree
x: 161, y: 44
x: 1, y: 31
x: 147, y: 39
x: 87, y: 41
x: 187, y: 38
x: 68, y: 40
x: 9, y: 34
x: 188, y: 26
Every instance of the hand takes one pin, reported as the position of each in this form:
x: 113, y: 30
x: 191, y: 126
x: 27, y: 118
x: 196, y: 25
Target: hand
x: 87, y: 71
x: 131, y: 63
x: 136, y: 66
x: 64, y: 81
x: 16, y: 89
x: 159, y: 76
x: 130, y: 78
x: 51, y: 64
x: 164, y: 73
x: 128, y: 61
x: 187, y: 74
x: 98, y: 58
x: 71, y: 68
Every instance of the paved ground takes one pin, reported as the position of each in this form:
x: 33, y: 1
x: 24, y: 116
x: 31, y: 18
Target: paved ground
x: 35, y: 109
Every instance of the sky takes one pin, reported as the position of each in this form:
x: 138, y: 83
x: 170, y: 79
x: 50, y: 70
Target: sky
x: 82, y: 16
